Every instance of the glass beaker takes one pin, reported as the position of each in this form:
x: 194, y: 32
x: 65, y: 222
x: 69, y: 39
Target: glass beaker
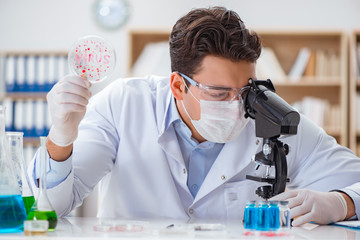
x: 15, y: 140
x: 12, y: 210
x: 42, y: 208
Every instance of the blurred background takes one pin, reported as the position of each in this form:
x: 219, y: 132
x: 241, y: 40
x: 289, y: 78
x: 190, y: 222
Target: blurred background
x: 312, y: 54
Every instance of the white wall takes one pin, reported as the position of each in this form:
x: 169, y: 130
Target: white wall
x: 55, y: 25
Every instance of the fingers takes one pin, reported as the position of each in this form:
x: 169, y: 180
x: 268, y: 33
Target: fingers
x: 285, y: 195
x: 69, y: 87
x: 80, y: 81
x: 302, y: 219
x: 71, y: 107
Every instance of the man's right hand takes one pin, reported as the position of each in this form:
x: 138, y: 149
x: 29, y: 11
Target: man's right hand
x: 67, y: 103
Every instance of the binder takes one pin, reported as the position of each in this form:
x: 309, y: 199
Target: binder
x: 41, y: 81
x: 31, y: 73
x: 40, y: 128
x: 20, y: 76
x: 10, y: 73
x: 52, y: 72
x: 29, y: 118
x: 19, y: 118
x: 8, y: 103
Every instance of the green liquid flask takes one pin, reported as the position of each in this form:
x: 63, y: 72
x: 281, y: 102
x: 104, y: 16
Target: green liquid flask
x: 42, y: 208
x: 12, y: 210
x: 15, y: 140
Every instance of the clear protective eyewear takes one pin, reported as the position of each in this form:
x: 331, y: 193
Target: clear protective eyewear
x: 216, y: 93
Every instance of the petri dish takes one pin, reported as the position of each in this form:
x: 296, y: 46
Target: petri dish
x: 92, y: 57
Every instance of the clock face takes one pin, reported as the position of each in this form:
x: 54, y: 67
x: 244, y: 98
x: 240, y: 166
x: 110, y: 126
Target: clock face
x: 111, y: 14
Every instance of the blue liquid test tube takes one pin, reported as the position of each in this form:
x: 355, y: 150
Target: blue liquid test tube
x: 250, y: 215
x: 263, y: 223
x: 274, y: 215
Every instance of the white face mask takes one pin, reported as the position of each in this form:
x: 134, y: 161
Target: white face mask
x: 220, y: 121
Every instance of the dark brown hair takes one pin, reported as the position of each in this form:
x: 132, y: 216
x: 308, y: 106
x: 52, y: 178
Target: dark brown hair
x: 211, y: 31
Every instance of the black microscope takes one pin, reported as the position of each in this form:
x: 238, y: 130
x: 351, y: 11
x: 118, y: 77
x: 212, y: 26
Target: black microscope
x: 273, y: 117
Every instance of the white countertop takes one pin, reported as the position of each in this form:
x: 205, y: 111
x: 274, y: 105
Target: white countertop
x: 95, y: 228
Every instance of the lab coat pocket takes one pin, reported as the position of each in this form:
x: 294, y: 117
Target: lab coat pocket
x: 236, y: 195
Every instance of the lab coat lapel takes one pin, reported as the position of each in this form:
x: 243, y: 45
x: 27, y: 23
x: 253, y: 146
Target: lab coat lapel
x: 234, y: 157
x: 167, y: 137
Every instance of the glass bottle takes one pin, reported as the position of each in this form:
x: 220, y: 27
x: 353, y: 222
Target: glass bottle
x: 274, y: 213
x: 15, y: 140
x: 42, y: 208
x: 12, y: 209
x: 284, y: 215
x: 250, y: 215
x: 263, y: 223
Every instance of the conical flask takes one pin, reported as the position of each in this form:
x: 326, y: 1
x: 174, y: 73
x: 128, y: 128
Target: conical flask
x: 42, y: 208
x: 15, y: 140
x: 12, y: 210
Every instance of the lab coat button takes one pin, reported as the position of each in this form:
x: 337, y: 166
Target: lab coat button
x: 223, y: 177
x: 184, y: 170
x: 191, y: 211
x: 257, y: 142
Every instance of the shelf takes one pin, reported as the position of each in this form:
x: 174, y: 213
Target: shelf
x: 306, y: 82
x: 286, y: 46
x: 31, y: 141
x: 333, y: 131
x: 26, y: 95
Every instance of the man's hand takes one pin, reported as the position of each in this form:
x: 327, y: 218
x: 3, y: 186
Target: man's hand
x: 320, y: 207
x: 67, y: 103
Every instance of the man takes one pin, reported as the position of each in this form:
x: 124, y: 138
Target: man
x: 181, y: 147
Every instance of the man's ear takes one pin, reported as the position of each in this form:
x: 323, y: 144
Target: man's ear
x: 177, y: 86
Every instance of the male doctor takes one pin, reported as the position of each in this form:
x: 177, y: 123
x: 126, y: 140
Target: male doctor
x: 180, y: 147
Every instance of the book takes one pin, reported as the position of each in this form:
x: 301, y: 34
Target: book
x: 10, y: 73
x: 298, y: 68
x: 310, y: 66
x: 31, y: 69
x: 268, y: 66
x: 320, y: 64
x: 358, y: 59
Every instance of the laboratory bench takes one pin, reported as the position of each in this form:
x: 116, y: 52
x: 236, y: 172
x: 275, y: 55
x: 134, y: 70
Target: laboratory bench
x: 95, y: 228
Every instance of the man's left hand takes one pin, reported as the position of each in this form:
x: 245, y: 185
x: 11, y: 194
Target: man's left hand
x: 311, y: 206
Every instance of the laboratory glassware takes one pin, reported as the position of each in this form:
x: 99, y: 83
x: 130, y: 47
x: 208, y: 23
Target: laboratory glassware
x: 274, y: 213
x: 15, y: 141
x: 42, y: 208
x: 92, y: 57
x: 250, y: 215
x: 284, y: 215
x: 263, y: 223
x: 12, y: 209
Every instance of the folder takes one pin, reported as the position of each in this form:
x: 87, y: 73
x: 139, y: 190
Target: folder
x: 52, y: 72
x: 10, y: 73
x: 40, y: 84
x: 29, y: 118
x: 19, y: 118
x: 8, y: 103
x: 40, y: 128
x: 31, y: 73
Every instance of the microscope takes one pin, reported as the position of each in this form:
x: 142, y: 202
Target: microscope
x: 273, y: 117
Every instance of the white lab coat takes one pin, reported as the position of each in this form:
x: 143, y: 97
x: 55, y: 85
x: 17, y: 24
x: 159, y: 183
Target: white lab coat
x: 122, y: 143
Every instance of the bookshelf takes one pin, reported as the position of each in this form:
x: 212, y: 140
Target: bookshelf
x: 26, y: 77
x: 354, y: 92
x: 326, y: 82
